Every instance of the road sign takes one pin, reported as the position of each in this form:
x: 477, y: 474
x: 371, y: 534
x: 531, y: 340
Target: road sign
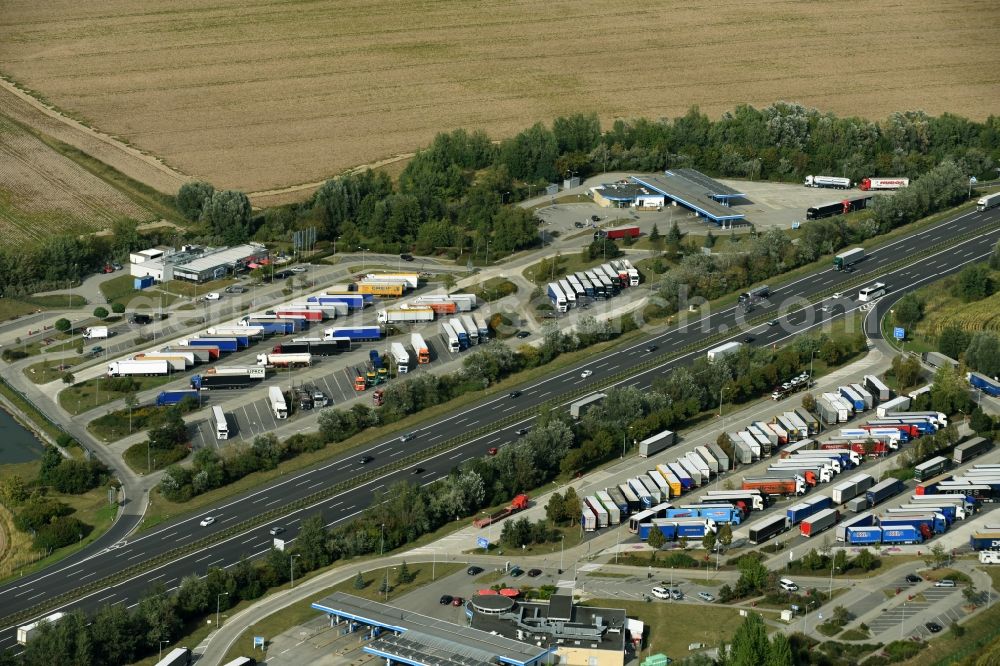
x: 898, y: 332
x: 483, y: 542
x: 258, y: 642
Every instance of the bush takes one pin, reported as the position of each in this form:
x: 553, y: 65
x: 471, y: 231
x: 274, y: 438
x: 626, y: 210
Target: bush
x: 118, y: 308
x: 62, y: 325
x: 60, y: 532
x: 39, y: 511
x: 902, y: 650
x: 101, y: 312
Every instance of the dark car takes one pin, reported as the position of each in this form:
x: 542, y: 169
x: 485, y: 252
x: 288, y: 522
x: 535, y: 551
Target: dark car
x: 282, y: 275
x: 534, y: 573
x: 276, y: 530
x: 578, y: 225
x: 913, y: 578
x: 446, y: 599
x: 773, y: 322
x: 651, y: 348
x: 140, y: 319
x: 748, y: 339
x: 474, y: 570
x: 514, y: 394
x: 933, y: 627
x: 522, y: 334
x: 418, y: 470
x: 364, y: 460
x: 406, y: 257
x: 516, y: 571
x: 595, y: 218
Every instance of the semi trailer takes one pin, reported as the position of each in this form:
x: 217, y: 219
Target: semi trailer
x: 138, y: 368
x: 828, y: 181
x: 849, y: 258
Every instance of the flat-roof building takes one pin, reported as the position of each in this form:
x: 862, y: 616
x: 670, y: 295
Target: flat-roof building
x: 689, y: 188
x: 194, y: 263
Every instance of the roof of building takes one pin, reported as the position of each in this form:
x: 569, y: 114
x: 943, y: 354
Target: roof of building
x: 220, y: 257
x: 558, y: 623
x: 622, y: 191
x: 426, y: 640
x: 695, y: 191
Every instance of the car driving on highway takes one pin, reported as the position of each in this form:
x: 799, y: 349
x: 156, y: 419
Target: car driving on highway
x: 586, y: 373
x: 207, y: 520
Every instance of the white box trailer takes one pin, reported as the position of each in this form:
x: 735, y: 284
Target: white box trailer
x: 699, y: 464
x: 878, y: 388
x: 603, y: 519
x: 580, y: 407
x: 723, y: 350
x: 95, y: 332
x: 401, y: 357
x: 138, y: 368
x: 710, y: 460
x: 695, y: 473
x: 989, y: 201
x: 750, y: 441
x: 900, y: 404
x: 471, y: 328
x: 720, y: 456
x: 221, y: 425
x: 29, y: 631
x: 865, y: 395
x: 588, y: 518
x: 278, y: 405
x: 614, y: 512
x: 653, y: 445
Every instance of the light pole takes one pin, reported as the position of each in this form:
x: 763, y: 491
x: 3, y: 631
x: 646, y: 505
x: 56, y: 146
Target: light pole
x: 386, y: 586
x: 218, y: 598
x: 291, y: 568
x: 488, y: 252
x: 381, y: 545
x: 161, y: 649
x: 833, y: 561
x: 624, y: 439
x: 562, y: 544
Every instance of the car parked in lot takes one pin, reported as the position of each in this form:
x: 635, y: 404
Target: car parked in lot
x: 516, y: 571
x: 912, y: 578
x: 944, y: 582
x: 705, y: 596
x: 661, y: 592
x: 207, y: 520
x: 457, y: 601
x: 676, y: 594
x: 212, y: 296
x: 534, y: 573
x: 446, y: 599
x: 933, y: 627
x: 474, y: 570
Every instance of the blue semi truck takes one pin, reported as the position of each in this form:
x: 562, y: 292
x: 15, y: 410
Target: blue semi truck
x: 168, y: 398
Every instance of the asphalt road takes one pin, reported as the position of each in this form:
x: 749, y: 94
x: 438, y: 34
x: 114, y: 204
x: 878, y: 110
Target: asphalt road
x: 33, y: 589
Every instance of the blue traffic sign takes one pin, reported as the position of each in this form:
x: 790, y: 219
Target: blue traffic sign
x: 898, y: 332
x: 483, y: 542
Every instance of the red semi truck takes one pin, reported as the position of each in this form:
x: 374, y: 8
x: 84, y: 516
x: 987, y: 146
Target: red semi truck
x: 883, y: 183
x: 616, y: 233
x: 519, y: 503
x: 771, y: 486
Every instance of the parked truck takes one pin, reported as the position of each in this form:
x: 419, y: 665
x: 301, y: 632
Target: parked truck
x: 983, y: 383
x: 653, y: 445
x: 985, y: 539
x: 405, y: 316
x: 138, y: 368
x: 278, y: 405
x: 849, y: 258
x: 883, y: 490
x: 719, y: 455
x: 966, y: 451
x: 580, y: 407
x: 723, y: 350
x: 29, y: 631
x: 420, y: 348
x: 879, y: 390
x: 710, y: 460
x: 400, y: 356
x: 354, y: 333
x: 768, y: 529
x: 617, y: 233
x: 828, y: 181
x: 851, y: 488
x: 868, y: 184
x: 519, y: 503
x: 767, y: 485
x: 899, y: 404
x: 859, y: 521
x: 227, y: 378
x: 284, y: 360
x: 95, y: 332
x: 228, y: 345
x: 820, y: 522
x: 197, y: 354
x: 810, y: 507
x: 168, y: 398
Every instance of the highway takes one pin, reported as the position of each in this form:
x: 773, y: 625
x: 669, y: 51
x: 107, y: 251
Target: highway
x: 31, y: 590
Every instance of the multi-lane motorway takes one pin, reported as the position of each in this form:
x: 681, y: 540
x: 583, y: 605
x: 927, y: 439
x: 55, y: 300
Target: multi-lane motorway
x: 34, y: 589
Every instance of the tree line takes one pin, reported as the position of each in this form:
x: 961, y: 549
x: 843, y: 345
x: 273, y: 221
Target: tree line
x: 451, y: 196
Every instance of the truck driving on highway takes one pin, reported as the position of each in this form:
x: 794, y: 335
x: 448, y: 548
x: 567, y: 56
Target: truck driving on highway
x: 848, y: 258
x: 29, y: 631
x: 989, y: 201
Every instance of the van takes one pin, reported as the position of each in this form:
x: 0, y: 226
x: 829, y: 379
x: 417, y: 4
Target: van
x: 788, y: 585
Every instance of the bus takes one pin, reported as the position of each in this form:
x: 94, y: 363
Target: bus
x: 931, y: 468
x: 221, y: 426
x: 877, y: 290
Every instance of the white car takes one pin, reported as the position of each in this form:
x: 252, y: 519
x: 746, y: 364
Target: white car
x: 705, y: 596
x: 946, y: 582
x: 213, y: 296
x: 661, y: 592
x: 207, y: 520
x: 586, y: 373
x: 837, y: 296
x: 299, y: 269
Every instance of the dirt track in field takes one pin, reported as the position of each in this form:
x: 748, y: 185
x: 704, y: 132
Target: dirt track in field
x: 268, y: 94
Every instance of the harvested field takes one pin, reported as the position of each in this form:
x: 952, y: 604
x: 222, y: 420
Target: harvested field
x: 269, y: 94
x: 42, y: 192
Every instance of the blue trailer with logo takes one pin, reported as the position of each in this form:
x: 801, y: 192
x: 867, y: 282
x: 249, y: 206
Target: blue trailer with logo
x: 355, y: 333
x: 223, y: 344
x: 902, y: 534
x: 863, y: 536
x: 988, y: 539
x: 813, y: 505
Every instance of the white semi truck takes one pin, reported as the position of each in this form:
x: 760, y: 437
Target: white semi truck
x: 278, y: 405
x: 828, y: 181
x: 401, y: 357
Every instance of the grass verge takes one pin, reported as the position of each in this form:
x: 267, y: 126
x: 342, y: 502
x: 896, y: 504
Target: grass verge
x: 49, y: 371
x: 119, y: 288
x: 87, y: 395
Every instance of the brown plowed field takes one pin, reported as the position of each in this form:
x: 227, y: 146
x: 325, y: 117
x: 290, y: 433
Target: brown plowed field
x: 261, y: 94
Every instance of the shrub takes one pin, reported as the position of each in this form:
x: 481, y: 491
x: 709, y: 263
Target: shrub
x: 60, y: 532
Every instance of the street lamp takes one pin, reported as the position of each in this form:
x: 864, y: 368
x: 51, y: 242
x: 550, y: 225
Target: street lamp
x: 381, y: 545
x: 386, y: 586
x: 218, y: 598
x: 291, y: 567
x: 562, y: 544
x: 488, y: 252
x: 161, y: 649
x: 624, y: 438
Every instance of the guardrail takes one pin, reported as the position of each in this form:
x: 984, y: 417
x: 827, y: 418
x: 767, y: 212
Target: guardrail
x: 446, y: 445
